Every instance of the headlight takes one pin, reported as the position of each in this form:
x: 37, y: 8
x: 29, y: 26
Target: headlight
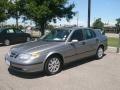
x: 9, y: 52
x: 25, y: 56
x: 29, y: 56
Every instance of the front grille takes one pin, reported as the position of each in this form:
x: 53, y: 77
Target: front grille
x: 14, y: 54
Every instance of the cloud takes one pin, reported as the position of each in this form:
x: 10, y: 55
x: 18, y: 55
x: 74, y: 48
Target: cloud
x: 71, y: 22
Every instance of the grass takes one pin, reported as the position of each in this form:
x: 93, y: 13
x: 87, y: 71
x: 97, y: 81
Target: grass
x: 113, y: 42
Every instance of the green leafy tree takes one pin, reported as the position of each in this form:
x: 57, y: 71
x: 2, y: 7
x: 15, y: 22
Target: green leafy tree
x: 118, y: 25
x: 44, y: 11
x: 98, y: 24
x: 3, y: 10
x: 16, y: 9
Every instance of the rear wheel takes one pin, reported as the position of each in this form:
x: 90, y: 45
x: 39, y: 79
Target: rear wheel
x: 100, y: 53
x: 53, y: 65
x: 6, y: 42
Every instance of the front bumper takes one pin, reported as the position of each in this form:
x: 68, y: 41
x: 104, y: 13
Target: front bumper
x: 28, y: 68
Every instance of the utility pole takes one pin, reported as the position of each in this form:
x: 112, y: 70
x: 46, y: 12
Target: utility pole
x: 17, y: 14
x: 118, y: 48
x: 77, y: 18
x: 89, y: 12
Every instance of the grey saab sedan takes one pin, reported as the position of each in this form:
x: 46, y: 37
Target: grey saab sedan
x: 57, y: 48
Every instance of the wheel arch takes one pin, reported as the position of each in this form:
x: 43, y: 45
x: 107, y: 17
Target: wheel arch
x: 101, y: 45
x: 55, y: 54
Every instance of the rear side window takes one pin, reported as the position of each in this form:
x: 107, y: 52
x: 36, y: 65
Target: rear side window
x: 77, y: 35
x: 89, y: 34
x: 18, y: 31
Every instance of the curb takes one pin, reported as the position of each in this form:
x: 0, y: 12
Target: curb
x: 113, y: 49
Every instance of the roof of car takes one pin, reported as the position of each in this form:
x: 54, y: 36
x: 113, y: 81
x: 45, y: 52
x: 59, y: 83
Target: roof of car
x: 72, y: 28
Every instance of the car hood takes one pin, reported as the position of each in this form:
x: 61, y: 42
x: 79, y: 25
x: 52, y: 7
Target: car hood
x: 35, y: 46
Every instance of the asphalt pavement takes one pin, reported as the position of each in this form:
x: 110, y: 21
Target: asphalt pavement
x: 87, y: 74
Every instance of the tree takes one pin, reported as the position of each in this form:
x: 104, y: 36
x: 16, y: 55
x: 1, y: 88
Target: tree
x: 98, y: 24
x: 50, y: 27
x: 3, y: 10
x: 44, y: 11
x: 118, y: 21
x: 16, y: 9
x: 118, y: 25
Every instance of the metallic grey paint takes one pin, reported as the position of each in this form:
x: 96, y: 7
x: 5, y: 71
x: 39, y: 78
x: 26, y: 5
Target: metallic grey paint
x: 69, y: 51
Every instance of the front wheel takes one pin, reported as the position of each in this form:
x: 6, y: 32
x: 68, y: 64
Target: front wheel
x: 53, y: 65
x: 100, y: 53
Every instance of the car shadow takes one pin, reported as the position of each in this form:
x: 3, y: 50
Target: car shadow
x: 42, y: 74
x: 26, y: 75
x: 1, y: 45
x: 78, y: 63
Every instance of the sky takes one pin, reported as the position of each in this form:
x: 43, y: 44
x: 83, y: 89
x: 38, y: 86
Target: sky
x: 107, y: 10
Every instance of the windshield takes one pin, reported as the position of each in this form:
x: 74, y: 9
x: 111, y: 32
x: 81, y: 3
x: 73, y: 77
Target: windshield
x: 57, y: 35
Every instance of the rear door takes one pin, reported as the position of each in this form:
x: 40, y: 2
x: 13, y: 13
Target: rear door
x: 2, y: 34
x: 20, y: 35
x: 79, y: 46
x: 91, y: 41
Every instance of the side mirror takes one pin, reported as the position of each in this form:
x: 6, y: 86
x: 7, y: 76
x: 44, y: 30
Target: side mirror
x: 74, y: 41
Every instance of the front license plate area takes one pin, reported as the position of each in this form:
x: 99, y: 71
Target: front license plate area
x: 8, y: 62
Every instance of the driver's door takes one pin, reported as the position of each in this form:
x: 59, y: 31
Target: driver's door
x: 77, y: 45
x: 80, y: 44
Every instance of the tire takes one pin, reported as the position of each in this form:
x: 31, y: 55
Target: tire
x: 100, y: 52
x: 28, y: 39
x: 7, y: 42
x: 53, y: 65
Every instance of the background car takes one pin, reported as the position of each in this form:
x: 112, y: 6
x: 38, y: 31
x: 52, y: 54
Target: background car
x: 12, y: 35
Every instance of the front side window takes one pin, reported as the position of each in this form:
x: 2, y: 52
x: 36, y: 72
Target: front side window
x: 89, y: 34
x: 10, y: 31
x: 57, y: 35
x: 77, y: 35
